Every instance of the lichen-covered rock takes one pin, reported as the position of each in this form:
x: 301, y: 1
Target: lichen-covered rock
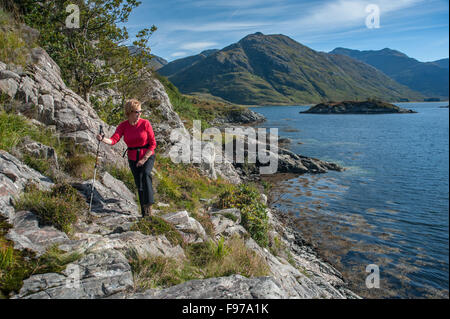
x: 97, y: 275
x: 232, y: 287
x: 28, y: 234
x: 41, y: 94
x: 191, y: 230
x: 14, y: 175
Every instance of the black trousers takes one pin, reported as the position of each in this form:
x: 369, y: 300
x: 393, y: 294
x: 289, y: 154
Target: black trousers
x: 143, y: 179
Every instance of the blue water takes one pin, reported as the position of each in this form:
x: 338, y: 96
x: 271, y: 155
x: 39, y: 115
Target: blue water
x: 389, y: 208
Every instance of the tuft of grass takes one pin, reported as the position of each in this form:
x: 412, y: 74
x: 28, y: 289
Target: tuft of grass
x: 80, y: 165
x: 158, y: 272
x: 59, y: 207
x: 204, y: 260
x: 154, y: 225
x: 226, y: 258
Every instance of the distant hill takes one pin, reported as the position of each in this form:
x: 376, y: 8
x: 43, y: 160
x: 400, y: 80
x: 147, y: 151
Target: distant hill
x: 180, y: 65
x: 428, y: 78
x: 443, y: 63
x: 274, y: 69
x: 156, y: 62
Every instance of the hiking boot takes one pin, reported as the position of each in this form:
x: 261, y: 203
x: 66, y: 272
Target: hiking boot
x: 147, y: 211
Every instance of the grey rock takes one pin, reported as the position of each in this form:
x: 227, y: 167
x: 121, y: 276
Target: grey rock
x: 191, y: 229
x: 14, y: 175
x: 26, y: 233
x: 232, y: 287
x: 100, y: 274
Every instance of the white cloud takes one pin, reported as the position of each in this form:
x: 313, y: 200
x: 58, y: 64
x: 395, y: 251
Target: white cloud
x: 217, y: 26
x: 198, y: 45
x: 178, y: 54
x: 345, y: 13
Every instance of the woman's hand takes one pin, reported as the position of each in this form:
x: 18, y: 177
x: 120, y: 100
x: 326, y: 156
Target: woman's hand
x: 100, y: 137
x: 144, y: 159
x: 141, y: 162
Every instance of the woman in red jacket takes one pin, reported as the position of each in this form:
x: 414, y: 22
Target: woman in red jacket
x: 140, y: 139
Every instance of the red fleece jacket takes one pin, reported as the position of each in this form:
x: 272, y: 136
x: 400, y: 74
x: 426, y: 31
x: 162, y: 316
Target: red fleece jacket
x: 135, y: 135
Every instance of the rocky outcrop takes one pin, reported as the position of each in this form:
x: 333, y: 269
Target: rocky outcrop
x: 41, y: 94
x: 243, y: 116
x: 14, y: 176
x: 356, y: 107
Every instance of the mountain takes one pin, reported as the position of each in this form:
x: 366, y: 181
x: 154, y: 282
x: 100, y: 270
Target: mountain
x: 428, y: 78
x: 180, y: 65
x: 156, y: 62
x: 443, y: 63
x: 274, y: 69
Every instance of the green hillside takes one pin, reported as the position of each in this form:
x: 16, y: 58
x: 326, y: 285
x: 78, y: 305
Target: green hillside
x: 428, y: 78
x: 274, y: 69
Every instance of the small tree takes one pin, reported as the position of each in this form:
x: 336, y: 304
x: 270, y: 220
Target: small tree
x: 91, y: 56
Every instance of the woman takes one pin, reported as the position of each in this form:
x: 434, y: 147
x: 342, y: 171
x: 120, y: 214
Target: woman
x: 140, y: 139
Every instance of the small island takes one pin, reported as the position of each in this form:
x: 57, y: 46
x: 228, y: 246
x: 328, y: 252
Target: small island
x: 356, y: 107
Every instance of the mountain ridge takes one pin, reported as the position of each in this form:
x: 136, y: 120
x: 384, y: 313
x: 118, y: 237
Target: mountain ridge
x: 275, y: 69
x: 428, y: 78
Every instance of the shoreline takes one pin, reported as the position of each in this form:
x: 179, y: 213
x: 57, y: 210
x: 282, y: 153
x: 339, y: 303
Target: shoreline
x: 288, y: 222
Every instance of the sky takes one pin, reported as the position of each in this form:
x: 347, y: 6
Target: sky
x: 418, y: 28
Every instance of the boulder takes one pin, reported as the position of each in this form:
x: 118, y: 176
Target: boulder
x: 191, y: 230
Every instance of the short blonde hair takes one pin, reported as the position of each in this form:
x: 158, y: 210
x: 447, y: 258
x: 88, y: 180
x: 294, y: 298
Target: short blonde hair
x: 131, y: 106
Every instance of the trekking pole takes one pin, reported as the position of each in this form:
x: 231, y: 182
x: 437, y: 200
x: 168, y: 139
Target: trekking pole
x: 95, y: 169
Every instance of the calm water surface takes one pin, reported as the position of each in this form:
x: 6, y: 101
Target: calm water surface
x: 389, y: 208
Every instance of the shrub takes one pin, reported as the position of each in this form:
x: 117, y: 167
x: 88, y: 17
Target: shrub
x: 254, y: 216
x: 59, y: 207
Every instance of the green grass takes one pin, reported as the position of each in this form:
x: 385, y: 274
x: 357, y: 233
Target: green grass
x: 154, y: 225
x: 59, y: 207
x: 13, y: 48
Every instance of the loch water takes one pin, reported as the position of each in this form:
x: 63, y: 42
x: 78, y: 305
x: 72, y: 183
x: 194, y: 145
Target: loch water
x: 389, y: 208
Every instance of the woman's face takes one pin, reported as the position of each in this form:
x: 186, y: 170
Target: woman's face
x: 134, y: 115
